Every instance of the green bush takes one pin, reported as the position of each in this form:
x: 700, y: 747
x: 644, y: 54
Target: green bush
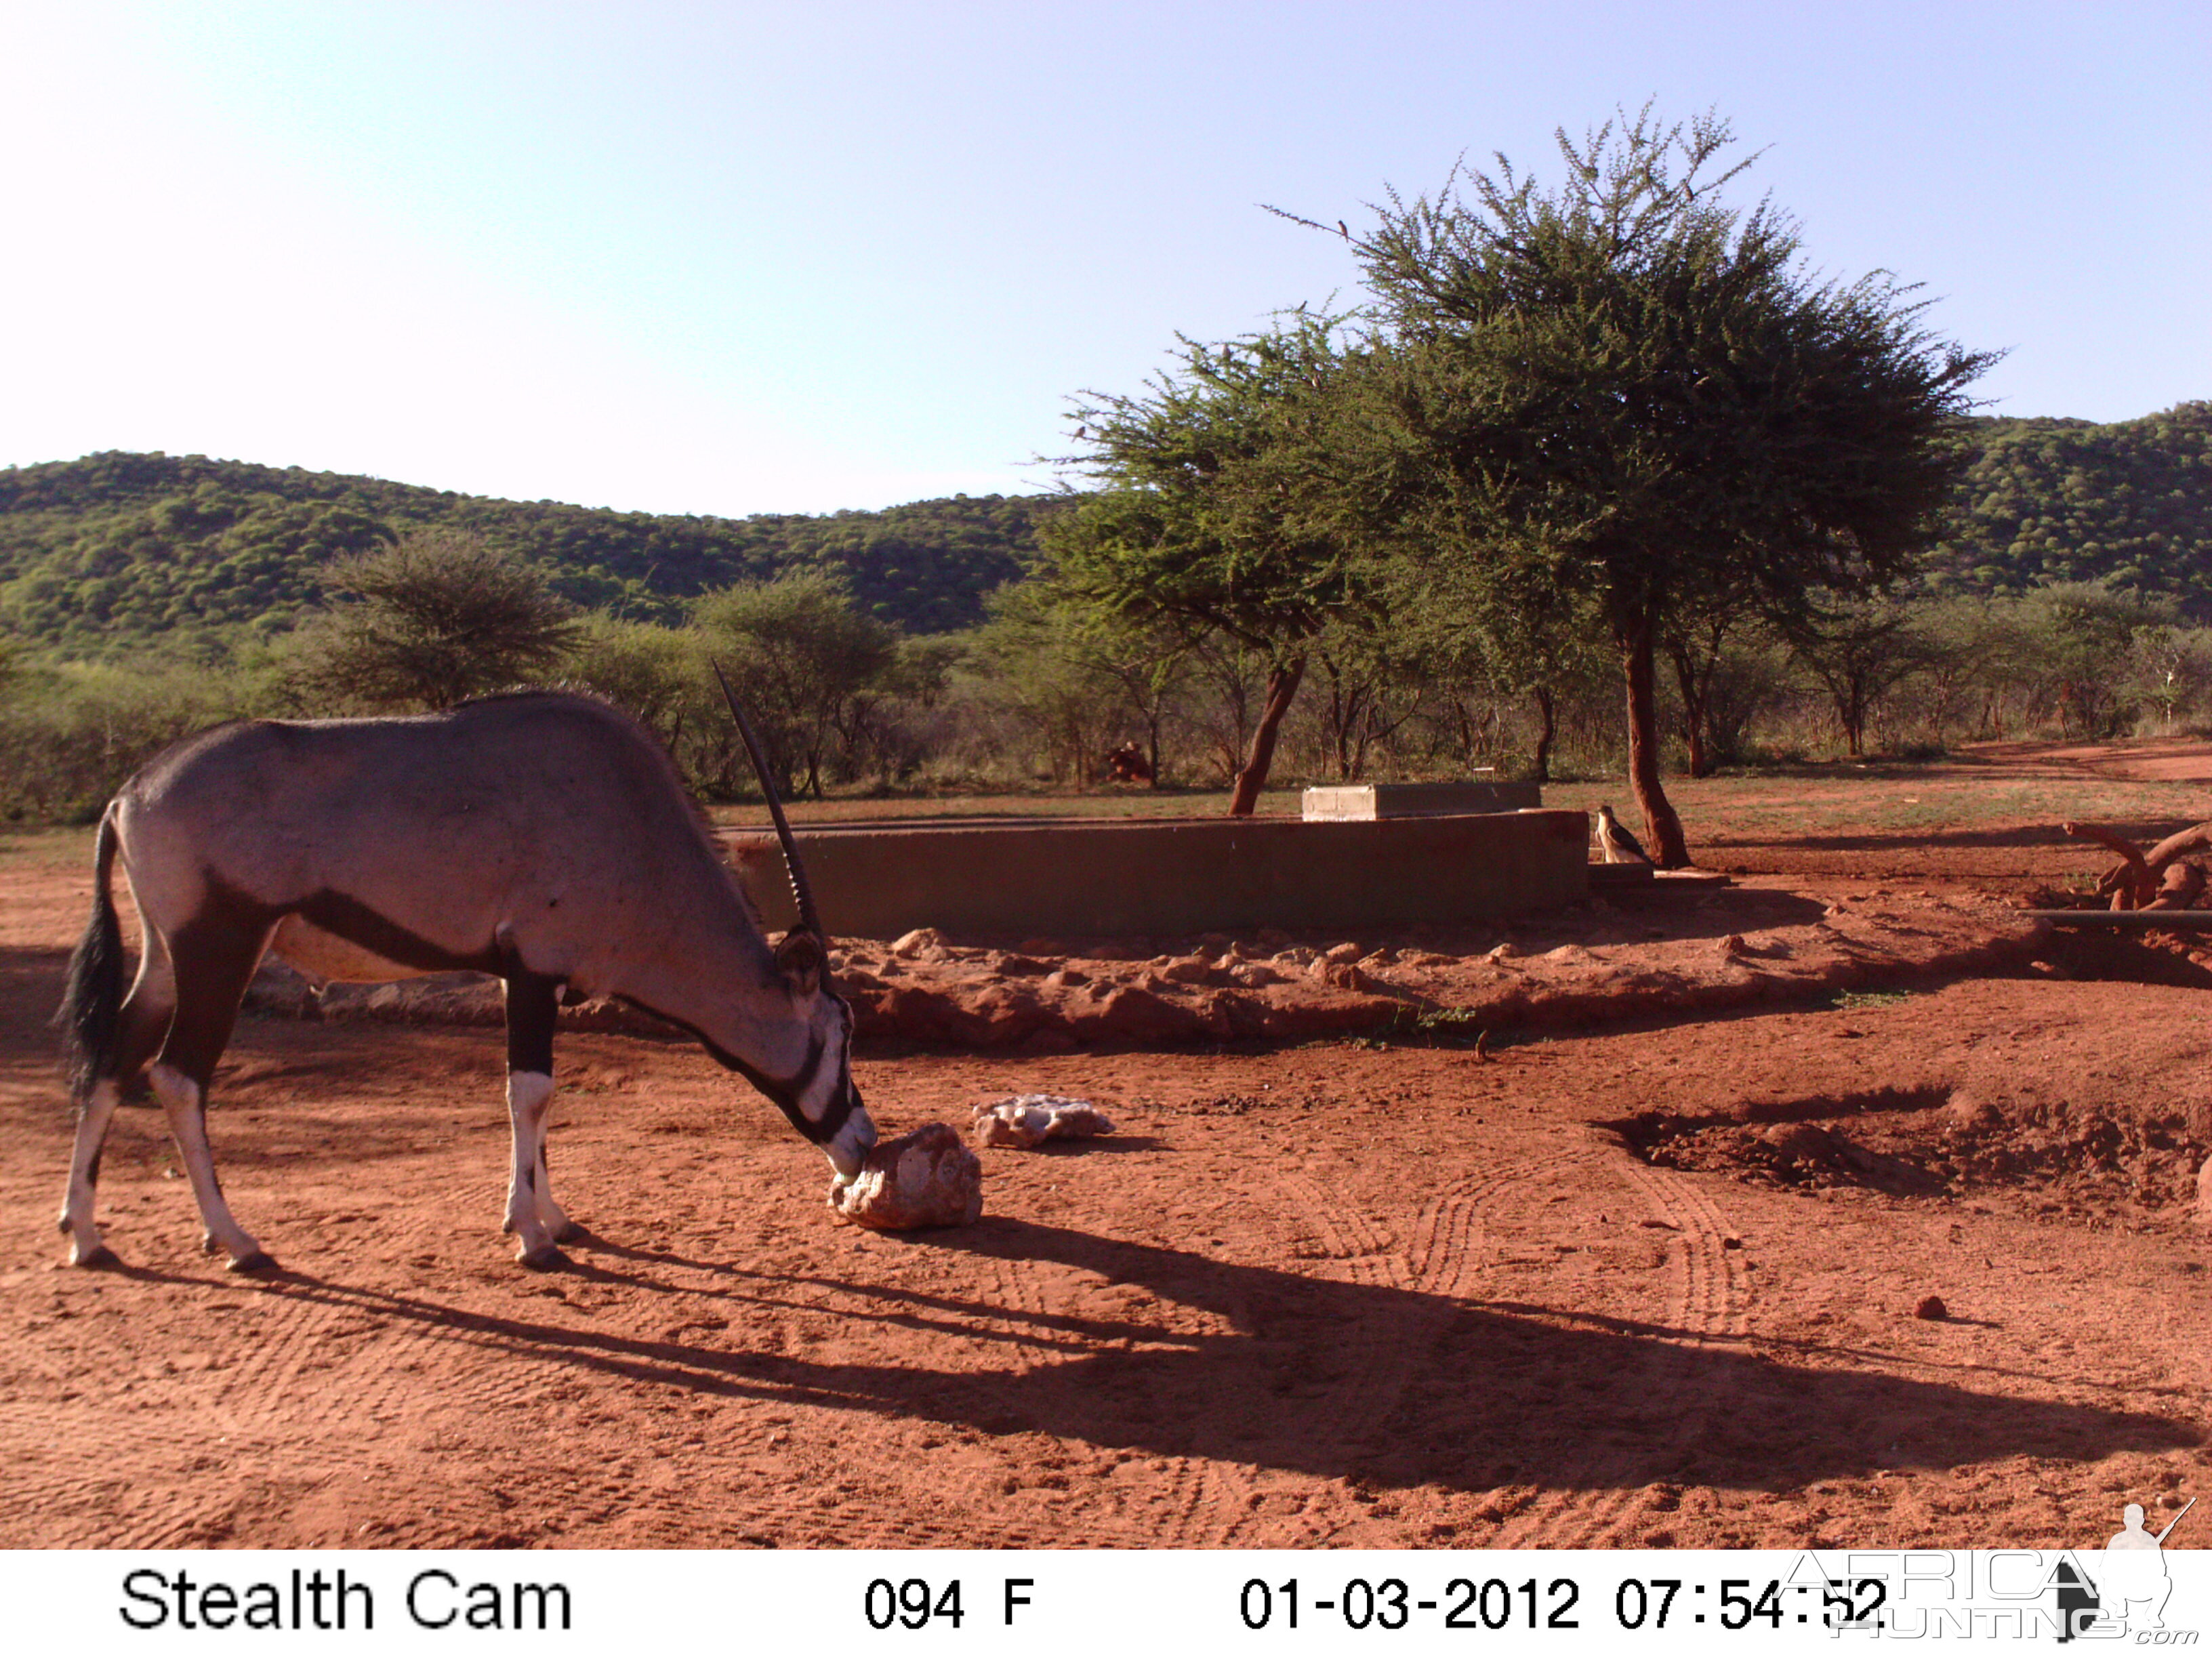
x: 70, y: 737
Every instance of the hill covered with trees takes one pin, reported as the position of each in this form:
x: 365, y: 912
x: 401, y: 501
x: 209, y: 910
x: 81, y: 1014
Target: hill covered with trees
x: 2052, y: 500
x: 118, y: 547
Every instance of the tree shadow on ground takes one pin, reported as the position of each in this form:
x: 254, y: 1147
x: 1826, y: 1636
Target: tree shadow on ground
x: 1259, y: 1366
x: 2085, y: 953
x: 2148, y: 832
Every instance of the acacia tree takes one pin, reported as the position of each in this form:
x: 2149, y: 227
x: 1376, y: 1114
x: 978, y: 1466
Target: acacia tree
x: 1524, y: 637
x: 1214, y: 509
x: 803, y: 655
x: 2083, y: 633
x: 1859, y: 649
x: 1036, y: 658
x: 438, y: 616
x: 1625, y: 390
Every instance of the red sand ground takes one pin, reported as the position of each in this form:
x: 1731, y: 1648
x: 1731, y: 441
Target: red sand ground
x: 1647, y: 1284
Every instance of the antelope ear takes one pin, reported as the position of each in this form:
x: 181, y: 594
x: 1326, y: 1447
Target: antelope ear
x: 802, y: 962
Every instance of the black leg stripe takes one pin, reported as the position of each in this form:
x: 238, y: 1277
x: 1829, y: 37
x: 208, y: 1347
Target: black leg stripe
x: 533, y: 1006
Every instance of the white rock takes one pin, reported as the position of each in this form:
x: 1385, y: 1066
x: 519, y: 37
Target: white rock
x: 1027, y: 1121
x: 926, y: 1179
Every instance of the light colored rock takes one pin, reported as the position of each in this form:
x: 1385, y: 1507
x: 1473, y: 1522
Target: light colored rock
x: 1028, y: 1121
x: 922, y: 945
x: 2204, y: 1195
x: 926, y: 1179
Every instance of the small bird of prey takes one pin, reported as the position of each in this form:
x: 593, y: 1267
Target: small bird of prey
x: 1621, y: 847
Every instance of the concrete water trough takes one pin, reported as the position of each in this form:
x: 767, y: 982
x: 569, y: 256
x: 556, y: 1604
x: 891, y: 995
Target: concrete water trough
x: 1108, y: 878
x: 1362, y: 801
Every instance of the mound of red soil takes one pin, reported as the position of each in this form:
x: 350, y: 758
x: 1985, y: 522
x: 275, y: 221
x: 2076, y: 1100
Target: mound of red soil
x: 1635, y: 954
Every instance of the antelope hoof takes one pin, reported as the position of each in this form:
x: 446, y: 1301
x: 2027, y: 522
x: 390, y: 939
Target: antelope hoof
x: 546, y: 1258
x: 569, y: 1231
x: 98, y: 1256
x: 253, y: 1262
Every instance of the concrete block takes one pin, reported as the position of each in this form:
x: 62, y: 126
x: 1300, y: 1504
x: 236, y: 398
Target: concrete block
x: 1174, y: 876
x: 1361, y: 802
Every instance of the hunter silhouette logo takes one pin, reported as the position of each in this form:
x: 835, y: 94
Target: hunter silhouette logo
x: 2126, y: 1583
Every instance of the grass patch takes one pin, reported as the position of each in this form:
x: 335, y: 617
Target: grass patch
x: 46, y: 849
x: 1130, y: 804
x: 1870, y: 999
x: 1938, y: 799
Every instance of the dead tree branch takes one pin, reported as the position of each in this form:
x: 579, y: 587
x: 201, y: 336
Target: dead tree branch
x: 2132, y: 885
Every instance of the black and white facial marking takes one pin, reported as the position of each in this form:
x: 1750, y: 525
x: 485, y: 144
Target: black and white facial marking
x: 826, y: 1102
x: 818, y: 1095
x: 823, y: 1102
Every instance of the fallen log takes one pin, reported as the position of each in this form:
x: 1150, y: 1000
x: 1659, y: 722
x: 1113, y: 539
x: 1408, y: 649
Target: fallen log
x: 2180, y: 888
x: 2159, y: 879
x: 2132, y: 885
x: 2194, y: 840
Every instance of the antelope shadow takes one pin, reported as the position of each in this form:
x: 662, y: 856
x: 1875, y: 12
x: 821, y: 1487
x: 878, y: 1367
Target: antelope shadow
x: 1322, y: 1377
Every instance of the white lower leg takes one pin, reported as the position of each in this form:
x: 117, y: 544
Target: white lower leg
x: 92, y: 1123
x: 180, y: 1097
x: 528, y: 1095
x: 555, y: 1217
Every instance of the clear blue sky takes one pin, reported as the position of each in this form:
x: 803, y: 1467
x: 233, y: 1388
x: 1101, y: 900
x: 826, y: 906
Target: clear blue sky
x: 736, y: 259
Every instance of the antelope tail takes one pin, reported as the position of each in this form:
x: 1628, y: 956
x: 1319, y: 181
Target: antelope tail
x: 93, y: 990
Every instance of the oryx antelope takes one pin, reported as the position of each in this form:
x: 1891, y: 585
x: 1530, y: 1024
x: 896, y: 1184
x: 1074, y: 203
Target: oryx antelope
x: 539, y: 836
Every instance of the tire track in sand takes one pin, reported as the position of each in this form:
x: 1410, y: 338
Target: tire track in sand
x: 1209, y: 1496
x: 1425, y: 1266
x: 1708, y: 1298
x: 146, y: 1490
x: 1447, y: 1243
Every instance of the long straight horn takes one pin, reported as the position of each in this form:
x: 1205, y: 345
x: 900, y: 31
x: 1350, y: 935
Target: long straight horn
x: 800, y: 892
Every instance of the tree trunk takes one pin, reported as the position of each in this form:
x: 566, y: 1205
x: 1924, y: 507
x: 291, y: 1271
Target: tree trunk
x: 1282, y: 685
x: 1696, y: 688
x: 1847, y: 695
x: 1854, y: 718
x: 1547, y: 731
x: 1701, y: 760
x: 1663, y: 829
